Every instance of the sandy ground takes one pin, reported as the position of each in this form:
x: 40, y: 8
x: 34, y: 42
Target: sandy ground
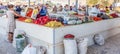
x: 112, y: 46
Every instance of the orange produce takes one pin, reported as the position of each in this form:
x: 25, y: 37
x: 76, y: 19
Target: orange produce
x: 22, y: 19
x: 97, y: 18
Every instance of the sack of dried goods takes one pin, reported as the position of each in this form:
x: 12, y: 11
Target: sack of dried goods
x: 69, y: 42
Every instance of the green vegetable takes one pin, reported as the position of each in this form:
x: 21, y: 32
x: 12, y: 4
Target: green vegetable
x: 19, y: 36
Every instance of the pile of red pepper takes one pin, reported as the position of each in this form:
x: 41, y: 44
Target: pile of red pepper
x: 114, y: 15
x: 97, y: 18
x: 42, y: 20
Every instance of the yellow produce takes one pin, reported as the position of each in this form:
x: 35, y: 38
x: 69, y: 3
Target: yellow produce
x: 107, y: 11
x: 28, y: 20
x: 110, y: 17
x: 53, y: 24
x: 35, y: 11
x: 107, y: 14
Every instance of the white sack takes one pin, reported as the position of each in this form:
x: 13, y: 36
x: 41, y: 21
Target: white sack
x: 70, y: 46
x: 99, y: 39
x: 82, y: 45
x: 34, y: 50
x: 29, y: 50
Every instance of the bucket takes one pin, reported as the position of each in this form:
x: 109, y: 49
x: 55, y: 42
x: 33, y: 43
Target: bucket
x: 20, y: 44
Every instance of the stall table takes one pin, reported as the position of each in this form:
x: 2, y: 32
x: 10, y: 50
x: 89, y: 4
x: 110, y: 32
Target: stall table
x: 52, y: 38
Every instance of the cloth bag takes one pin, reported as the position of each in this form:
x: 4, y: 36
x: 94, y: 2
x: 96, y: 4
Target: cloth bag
x: 82, y: 45
x: 70, y: 46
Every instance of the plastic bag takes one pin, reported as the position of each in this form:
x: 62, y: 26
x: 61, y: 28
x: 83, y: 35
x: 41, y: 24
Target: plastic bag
x: 82, y: 45
x: 34, y: 49
x: 99, y: 39
x: 41, y: 50
x: 70, y: 46
x: 29, y: 50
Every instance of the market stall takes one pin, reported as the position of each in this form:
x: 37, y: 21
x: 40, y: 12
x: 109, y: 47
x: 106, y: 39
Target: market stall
x: 49, y: 30
x: 52, y: 38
